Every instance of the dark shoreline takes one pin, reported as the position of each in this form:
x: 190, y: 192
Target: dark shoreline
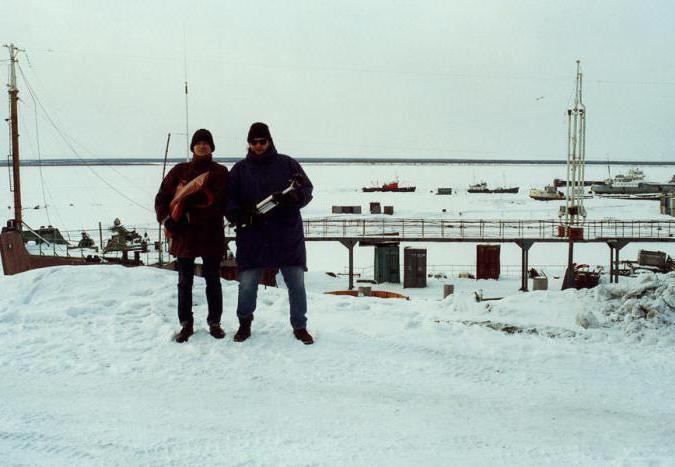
x: 333, y: 160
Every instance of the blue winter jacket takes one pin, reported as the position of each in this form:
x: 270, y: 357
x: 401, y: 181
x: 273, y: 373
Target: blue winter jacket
x: 277, y: 238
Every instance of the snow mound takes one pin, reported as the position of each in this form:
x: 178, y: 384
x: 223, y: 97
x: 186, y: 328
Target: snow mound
x: 640, y: 308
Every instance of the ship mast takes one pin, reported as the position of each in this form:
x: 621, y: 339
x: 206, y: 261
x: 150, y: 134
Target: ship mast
x: 14, y: 129
x: 576, y: 157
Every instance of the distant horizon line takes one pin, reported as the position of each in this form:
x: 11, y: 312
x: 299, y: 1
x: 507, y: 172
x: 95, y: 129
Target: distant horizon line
x: 329, y: 160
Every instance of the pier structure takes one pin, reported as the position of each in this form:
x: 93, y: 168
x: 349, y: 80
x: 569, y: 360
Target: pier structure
x: 616, y: 234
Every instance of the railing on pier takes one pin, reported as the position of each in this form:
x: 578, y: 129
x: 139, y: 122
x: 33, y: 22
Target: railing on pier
x: 496, y: 230
x: 418, y: 230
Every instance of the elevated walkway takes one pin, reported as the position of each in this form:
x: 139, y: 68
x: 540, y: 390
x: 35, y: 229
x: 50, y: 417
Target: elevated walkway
x: 615, y: 233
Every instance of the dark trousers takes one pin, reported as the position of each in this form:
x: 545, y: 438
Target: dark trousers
x: 214, y: 295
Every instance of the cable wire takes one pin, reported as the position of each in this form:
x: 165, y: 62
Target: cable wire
x: 66, y: 139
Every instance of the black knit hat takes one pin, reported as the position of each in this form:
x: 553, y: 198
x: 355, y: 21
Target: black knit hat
x: 259, y: 130
x: 202, y: 135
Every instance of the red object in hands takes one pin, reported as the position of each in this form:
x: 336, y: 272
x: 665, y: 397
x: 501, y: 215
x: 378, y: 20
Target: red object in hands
x: 183, y: 191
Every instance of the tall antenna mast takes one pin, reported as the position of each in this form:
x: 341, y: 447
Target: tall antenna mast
x: 576, y: 157
x: 187, y: 117
x: 14, y: 129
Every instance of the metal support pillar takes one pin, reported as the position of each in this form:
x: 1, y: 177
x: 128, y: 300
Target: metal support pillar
x: 568, y: 281
x: 614, y: 247
x: 525, y: 255
x: 350, y: 246
x: 611, y: 263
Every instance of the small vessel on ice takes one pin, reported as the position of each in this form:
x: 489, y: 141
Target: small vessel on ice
x: 549, y: 193
x: 391, y: 186
x: 483, y: 188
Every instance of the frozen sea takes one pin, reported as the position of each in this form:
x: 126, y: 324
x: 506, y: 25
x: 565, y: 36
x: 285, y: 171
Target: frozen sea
x: 91, y: 376
x: 79, y: 197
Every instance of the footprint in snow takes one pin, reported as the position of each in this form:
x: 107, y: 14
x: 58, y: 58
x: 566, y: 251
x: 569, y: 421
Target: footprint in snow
x: 76, y: 312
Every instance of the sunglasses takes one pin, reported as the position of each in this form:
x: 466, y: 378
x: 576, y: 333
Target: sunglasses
x: 261, y: 141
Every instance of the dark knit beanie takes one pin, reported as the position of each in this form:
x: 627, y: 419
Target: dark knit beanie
x: 259, y: 130
x: 202, y: 135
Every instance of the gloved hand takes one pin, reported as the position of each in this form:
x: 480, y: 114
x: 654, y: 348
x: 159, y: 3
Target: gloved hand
x: 299, y: 179
x: 176, y: 228
x: 196, y: 200
x: 289, y: 199
x: 246, y: 216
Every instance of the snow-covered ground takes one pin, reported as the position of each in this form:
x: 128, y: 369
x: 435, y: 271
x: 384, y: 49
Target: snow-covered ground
x: 90, y: 376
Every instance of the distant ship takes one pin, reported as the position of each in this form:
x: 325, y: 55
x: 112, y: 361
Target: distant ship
x: 550, y: 193
x: 483, y: 188
x: 631, y: 184
x: 392, y: 186
x: 559, y: 182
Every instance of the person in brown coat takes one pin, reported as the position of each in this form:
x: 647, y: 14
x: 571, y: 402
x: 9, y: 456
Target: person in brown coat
x: 190, y: 204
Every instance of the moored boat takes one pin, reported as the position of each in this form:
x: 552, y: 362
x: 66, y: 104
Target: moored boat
x: 391, y: 186
x: 483, y: 188
x: 632, y: 183
x: 549, y: 193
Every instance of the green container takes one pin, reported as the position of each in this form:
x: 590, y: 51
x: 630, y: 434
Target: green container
x: 387, y: 267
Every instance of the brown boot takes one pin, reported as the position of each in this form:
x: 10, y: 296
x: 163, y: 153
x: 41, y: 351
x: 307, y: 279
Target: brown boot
x: 184, y: 334
x: 303, y: 335
x: 244, y: 331
x: 216, y: 331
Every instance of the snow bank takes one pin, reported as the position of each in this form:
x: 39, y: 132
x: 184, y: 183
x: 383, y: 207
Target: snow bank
x: 90, y: 376
x: 641, y: 308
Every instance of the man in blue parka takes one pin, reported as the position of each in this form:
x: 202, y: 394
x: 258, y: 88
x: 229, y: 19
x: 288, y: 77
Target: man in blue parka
x: 274, y: 239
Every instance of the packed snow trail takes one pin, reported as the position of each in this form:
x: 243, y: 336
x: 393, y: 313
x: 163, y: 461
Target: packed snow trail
x: 90, y: 376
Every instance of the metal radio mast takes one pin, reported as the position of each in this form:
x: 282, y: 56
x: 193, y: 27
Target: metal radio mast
x: 576, y: 157
x: 573, y: 211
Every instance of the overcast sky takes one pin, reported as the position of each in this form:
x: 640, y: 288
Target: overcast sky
x: 460, y: 78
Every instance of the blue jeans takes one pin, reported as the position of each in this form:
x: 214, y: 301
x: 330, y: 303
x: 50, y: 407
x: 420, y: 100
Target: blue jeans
x: 294, y: 276
x: 214, y: 294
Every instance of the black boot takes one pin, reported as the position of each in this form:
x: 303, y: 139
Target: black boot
x: 244, y: 331
x: 184, y: 334
x: 303, y: 335
x: 216, y: 331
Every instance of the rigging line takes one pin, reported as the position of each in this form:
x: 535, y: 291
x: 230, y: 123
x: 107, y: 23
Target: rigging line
x: 53, y: 203
x: 357, y: 69
x: 112, y: 167
x: 44, y: 188
x: 86, y: 149
x: 72, y: 148
x: 37, y: 142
